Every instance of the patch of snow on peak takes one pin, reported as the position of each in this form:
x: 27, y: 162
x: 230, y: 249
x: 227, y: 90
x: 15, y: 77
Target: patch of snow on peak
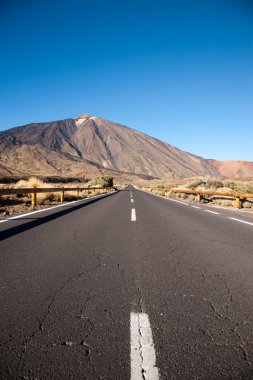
x: 79, y: 121
x: 82, y: 118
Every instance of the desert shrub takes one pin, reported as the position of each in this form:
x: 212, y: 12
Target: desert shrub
x: 246, y: 187
x: 229, y: 183
x: 34, y: 182
x: 52, y: 197
x: 217, y: 201
x: 224, y: 190
x: 227, y: 202
x: 193, y: 185
x: 239, y: 186
x: 71, y: 195
x: 247, y: 204
x: 214, y: 183
x: 31, y: 182
x: 223, y: 202
x: 96, y: 192
x: 102, y: 182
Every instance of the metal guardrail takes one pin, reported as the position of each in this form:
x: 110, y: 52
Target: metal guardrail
x: 35, y: 190
x: 200, y: 194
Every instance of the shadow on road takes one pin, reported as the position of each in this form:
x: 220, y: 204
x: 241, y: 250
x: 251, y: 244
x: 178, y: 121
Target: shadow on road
x: 7, y: 233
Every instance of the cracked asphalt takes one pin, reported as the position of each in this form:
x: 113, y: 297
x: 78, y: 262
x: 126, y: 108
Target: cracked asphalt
x: 70, y: 278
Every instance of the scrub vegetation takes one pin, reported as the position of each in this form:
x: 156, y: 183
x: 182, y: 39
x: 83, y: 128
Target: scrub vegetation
x: 14, y: 204
x: 222, y: 186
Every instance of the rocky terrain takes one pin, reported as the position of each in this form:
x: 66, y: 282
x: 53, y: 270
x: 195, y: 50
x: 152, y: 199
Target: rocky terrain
x: 91, y: 146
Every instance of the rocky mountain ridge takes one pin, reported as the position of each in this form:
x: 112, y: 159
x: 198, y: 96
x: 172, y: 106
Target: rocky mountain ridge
x: 90, y: 146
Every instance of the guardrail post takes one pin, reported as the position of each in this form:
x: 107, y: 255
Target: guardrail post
x: 198, y: 198
x: 238, y: 202
x: 34, y: 199
x: 62, y: 196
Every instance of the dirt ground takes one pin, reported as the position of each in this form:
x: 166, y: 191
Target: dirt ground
x: 16, y: 207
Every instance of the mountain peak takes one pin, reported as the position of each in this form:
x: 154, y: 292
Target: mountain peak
x: 83, y: 118
x: 94, y: 145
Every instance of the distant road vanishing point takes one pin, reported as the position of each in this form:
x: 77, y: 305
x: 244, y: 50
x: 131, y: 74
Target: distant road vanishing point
x: 127, y: 286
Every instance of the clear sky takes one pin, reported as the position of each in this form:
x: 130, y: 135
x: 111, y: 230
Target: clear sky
x: 178, y: 70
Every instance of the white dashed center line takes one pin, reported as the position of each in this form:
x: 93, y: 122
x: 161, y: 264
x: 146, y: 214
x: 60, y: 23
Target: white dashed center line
x: 197, y: 207
x: 242, y: 221
x: 212, y: 212
x: 133, y: 215
x: 143, y: 358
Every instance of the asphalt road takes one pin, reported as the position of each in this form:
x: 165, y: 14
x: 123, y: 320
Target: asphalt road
x: 123, y: 287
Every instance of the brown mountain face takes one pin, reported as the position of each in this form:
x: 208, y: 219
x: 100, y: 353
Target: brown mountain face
x: 91, y: 146
x: 233, y: 169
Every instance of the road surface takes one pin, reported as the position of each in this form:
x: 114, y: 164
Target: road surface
x: 127, y: 286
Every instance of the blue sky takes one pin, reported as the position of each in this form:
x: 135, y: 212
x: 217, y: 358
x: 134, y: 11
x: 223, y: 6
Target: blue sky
x: 178, y: 70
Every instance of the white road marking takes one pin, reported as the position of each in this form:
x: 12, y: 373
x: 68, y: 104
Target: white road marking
x: 174, y: 200
x: 168, y: 199
x: 212, y: 212
x: 133, y: 215
x: 132, y: 200
x: 46, y: 209
x: 143, y: 358
x: 217, y: 213
x: 240, y: 220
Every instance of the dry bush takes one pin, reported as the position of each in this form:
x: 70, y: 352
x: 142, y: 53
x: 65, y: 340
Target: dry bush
x: 36, y: 183
x: 214, y: 183
x: 191, y: 197
x: 96, y: 192
x: 32, y: 182
x: 193, y: 185
x: 239, y: 186
x: 105, y: 181
x: 247, y: 204
x: 71, y: 195
x: 224, y: 190
x: 223, y: 202
x: 247, y: 187
x: 229, y: 183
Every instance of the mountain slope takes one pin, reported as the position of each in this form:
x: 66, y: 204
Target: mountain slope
x: 91, y: 146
